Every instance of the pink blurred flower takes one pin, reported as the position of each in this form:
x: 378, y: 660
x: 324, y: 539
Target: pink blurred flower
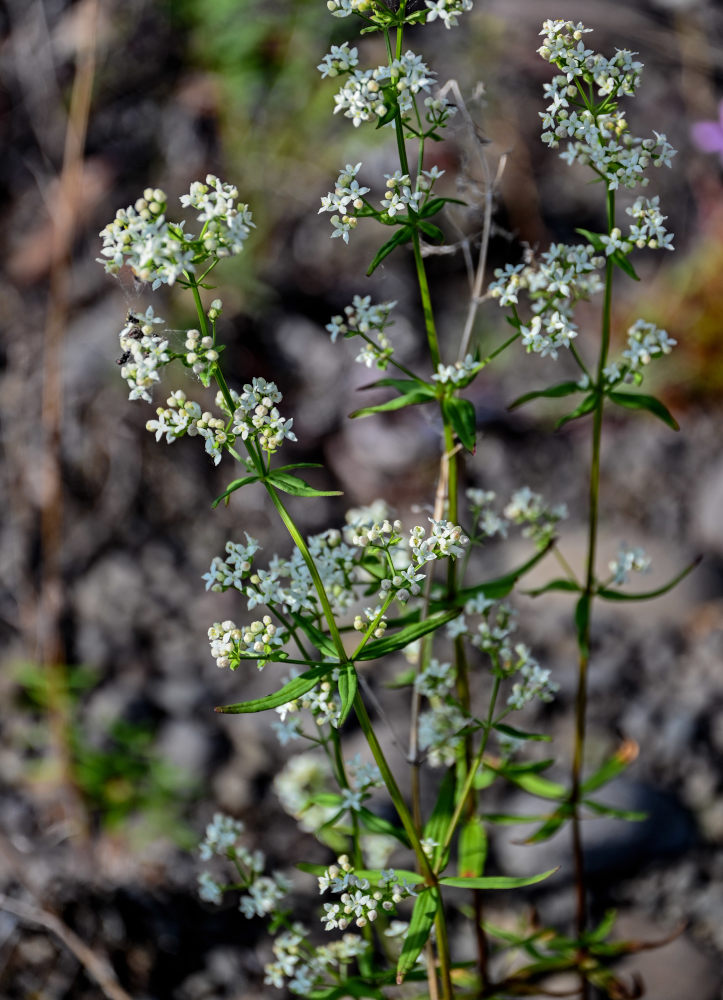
x: 708, y: 136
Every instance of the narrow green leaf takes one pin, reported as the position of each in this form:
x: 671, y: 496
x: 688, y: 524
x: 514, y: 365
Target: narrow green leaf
x: 617, y: 595
x: 436, y: 826
x: 520, y: 734
x: 331, y: 799
x: 353, y: 987
x: 348, y: 683
x: 612, y: 767
x: 461, y: 414
x: 412, y: 398
x: 587, y: 406
x: 600, y: 809
x: 299, y: 465
x: 605, y: 926
x: 561, y: 584
x: 435, y: 204
x: 553, y: 392
x: 402, y: 235
x: 389, y: 644
x: 622, y: 261
x: 551, y: 825
x: 295, y: 688
x: 377, y: 824
x: 297, y: 487
x: 420, y: 927
x: 472, y: 849
x: 639, y: 401
x: 582, y: 623
x: 594, y: 239
x: 533, y: 783
x: 320, y: 640
x: 374, y: 565
x: 403, y: 385
x: 501, y: 586
x: 432, y: 231
x: 497, y: 881
x: 506, y: 819
x: 232, y: 487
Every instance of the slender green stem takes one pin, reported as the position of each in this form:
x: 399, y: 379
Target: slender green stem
x: 590, y: 587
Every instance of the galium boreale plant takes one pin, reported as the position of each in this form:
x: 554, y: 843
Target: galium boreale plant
x: 319, y: 616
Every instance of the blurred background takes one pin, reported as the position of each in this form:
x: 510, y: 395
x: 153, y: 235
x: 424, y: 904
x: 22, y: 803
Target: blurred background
x: 111, y: 758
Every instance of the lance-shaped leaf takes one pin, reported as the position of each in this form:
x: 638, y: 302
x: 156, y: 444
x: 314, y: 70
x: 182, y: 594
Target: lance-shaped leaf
x: 402, y: 385
x: 401, y: 236
x: 499, y: 587
x: 551, y: 825
x: 288, y: 483
x: 461, y: 414
x: 552, y: 392
x: 626, y: 753
x: 430, y: 230
x: 519, y: 734
x: 497, y: 881
x: 622, y: 261
x: 320, y: 640
x: 582, y: 624
x: 639, y: 401
x: 377, y: 824
x: 373, y: 874
x: 232, y: 487
x: 412, y: 398
x: 529, y: 780
x: 389, y: 644
x: 353, y: 987
x: 295, y: 688
x: 647, y: 595
x: 472, y: 849
x: 420, y: 927
x: 594, y: 239
x: 560, y: 584
x: 587, y: 406
x: 436, y: 826
x: 348, y: 683
x: 601, y: 809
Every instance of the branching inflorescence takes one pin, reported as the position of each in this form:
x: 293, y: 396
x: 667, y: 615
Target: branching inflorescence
x: 370, y: 588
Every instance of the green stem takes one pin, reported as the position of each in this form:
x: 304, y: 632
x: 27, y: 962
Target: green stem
x: 589, y: 592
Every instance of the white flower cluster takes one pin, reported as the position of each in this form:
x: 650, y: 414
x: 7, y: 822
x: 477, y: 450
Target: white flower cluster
x: 222, y: 838
x: 399, y: 196
x: 201, y: 354
x: 264, y: 895
x: 362, y: 316
x: 159, y: 251
x: 303, y: 968
x: 363, y: 99
x: 140, y: 237
x: 597, y: 137
x: 184, y: 416
x: 645, y: 342
x: 340, y: 59
x: 263, y: 892
x: 534, y: 681
x: 539, y: 518
x: 629, y: 560
x: 233, y: 570
x: 648, y: 229
x: 257, y: 418
x: 447, y: 11
x: 487, y: 520
x: 441, y: 732
x: 436, y: 680
x: 359, y: 901
x: 346, y: 198
x: 363, y: 775
x: 494, y: 631
x: 562, y: 276
x: 227, y: 222
x: 343, y: 8
x: 143, y: 353
x: 460, y: 371
x: 446, y: 541
x: 231, y: 644
x: 287, y: 584
x: 302, y: 777
x: 371, y: 614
